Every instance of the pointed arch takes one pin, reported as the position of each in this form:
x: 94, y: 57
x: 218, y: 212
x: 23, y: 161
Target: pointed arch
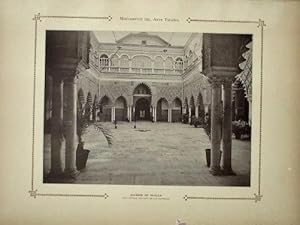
x: 186, y: 103
x: 169, y: 63
x: 121, y: 109
x: 81, y: 99
x: 142, y: 88
x: 124, y: 63
x: 162, y: 109
x: 192, y: 101
x: 176, y: 110
x: 88, y: 106
x: 200, y: 105
x: 105, y: 105
x: 192, y: 105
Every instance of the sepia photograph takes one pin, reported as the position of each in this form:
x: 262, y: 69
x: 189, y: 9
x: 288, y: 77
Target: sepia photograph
x: 147, y: 108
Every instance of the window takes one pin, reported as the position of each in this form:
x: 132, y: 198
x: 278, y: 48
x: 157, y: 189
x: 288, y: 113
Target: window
x: 179, y: 64
x: 141, y: 62
x: 158, y: 63
x: 104, y: 60
x: 169, y: 63
x: 124, y: 61
x: 115, y: 61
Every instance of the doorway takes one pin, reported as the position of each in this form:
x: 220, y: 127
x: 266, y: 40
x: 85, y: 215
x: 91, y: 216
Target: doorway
x: 142, y: 109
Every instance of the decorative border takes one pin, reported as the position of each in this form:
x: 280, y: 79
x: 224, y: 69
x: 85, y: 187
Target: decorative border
x: 260, y: 24
x: 34, y: 192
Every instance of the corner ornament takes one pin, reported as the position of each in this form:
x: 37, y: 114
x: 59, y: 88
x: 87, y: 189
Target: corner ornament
x: 33, y: 193
x: 37, y: 17
x: 261, y: 23
x: 257, y: 197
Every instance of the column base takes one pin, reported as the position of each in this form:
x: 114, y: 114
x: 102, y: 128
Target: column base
x: 71, y: 173
x: 228, y: 172
x: 215, y: 171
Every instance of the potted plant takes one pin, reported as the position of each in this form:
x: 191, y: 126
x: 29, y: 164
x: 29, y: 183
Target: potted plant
x: 83, y: 123
x: 185, y: 118
x: 198, y: 122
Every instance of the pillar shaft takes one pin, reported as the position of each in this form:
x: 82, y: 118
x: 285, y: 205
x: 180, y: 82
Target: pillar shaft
x: 113, y: 114
x: 190, y: 114
x: 215, y: 128
x: 227, y: 126
x: 169, y: 115
x: 56, y: 128
x: 70, y: 123
x: 197, y: 111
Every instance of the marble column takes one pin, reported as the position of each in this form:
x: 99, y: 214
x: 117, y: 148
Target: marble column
x: 216, y: 122
x: 130, y: 113
x: 169, y: 115
x: 154, y: 114
x: 250, y: 111
x: 227, y: 127
x: 70, y: 123
x: 113, y: 114
x: 56, y: 128
x: 197, y: 111
x: 190, y: 114
x: 206, y: 108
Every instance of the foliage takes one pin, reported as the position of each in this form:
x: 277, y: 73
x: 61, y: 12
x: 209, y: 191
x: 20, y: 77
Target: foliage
x: 106, y: 132
x: 241, y: 127
x: 185, y: 118
x: 198, y: 121
x: 83, y: 123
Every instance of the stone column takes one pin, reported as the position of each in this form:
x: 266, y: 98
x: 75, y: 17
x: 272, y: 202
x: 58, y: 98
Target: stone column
x: 70, y: 122
x: 169, y: 115
x: 250, y: 111
x: 190, y: 114
x: 154, y: 114
x: 56, y: 128
x: 112, y: 114
x: 130, y: 113
x: 206, y: 108
x: 227, y: 127
x: 197, y: 111
x: 215, y: 127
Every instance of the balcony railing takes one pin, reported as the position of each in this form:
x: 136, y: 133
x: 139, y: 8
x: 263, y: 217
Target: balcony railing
x: 136, y: 70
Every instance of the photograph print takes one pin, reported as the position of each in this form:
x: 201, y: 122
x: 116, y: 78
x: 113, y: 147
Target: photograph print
x: 147, y: 108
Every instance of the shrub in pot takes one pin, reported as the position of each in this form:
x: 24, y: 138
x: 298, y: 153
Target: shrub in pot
x: 82, y: 124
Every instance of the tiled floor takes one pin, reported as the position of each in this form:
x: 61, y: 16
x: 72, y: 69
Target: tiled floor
x: 156, y: 154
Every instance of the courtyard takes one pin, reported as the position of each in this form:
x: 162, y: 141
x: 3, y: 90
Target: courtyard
x: 155, y: 154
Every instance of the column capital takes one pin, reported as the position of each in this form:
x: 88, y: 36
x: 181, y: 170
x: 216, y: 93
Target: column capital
x: 70, y: 79
x: 215, y: 82
x: 227, y: 82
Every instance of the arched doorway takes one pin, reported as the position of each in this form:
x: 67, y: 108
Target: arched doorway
x: 142, y: 109
x: 162, y: 110
x: 192, y: 105
x: 176, y: 110
x: 142, y: 102
x: 121, y: 109
x: 200, y: 105
x: 105, y: 109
